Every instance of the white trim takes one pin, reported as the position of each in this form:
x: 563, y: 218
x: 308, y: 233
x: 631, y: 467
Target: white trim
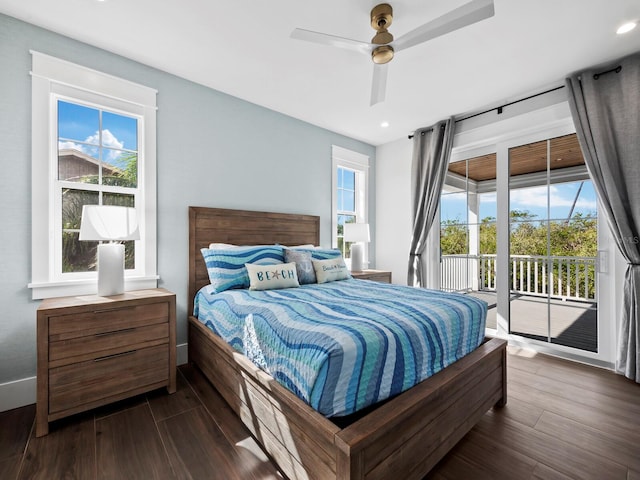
x: 86, y: 286
x: 560, y: 351
x: 70, y: 74
x: 341, y: 157
x: 182, y: 354
x: 17, y: 393
x: 54, y: 79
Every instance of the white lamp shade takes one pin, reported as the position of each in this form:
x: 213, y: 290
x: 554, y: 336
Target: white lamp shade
x: 109, y: 222
x: 356, y: 232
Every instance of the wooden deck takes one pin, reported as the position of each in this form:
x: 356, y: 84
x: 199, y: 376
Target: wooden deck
x: 573, y: 324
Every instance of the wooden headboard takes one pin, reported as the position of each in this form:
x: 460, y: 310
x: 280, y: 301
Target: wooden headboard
x: 242, y: 227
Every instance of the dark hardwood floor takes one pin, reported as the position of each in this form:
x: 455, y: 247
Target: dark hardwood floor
x: 562, y: 420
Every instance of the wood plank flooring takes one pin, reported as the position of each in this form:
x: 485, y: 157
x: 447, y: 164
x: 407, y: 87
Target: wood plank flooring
x: 562, y: 421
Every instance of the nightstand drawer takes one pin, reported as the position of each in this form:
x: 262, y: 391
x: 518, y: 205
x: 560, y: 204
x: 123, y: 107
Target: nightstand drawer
x: 100, y: 344
x: 82, y: 383
x: 106, y: 320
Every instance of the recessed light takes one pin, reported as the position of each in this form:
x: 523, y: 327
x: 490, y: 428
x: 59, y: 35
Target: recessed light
x: 384, y: 124
x: 625, y: 28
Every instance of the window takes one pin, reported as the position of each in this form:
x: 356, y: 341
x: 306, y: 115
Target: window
x: 97, y: 165
x: 93, y: 143
x: 346, y: 192
x: 350, y: 178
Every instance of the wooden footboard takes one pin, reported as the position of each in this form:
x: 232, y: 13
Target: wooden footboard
x: 404, y: 438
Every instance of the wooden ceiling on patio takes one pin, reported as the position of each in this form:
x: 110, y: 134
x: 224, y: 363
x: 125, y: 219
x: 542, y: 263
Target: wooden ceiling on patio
x: 564, y: 152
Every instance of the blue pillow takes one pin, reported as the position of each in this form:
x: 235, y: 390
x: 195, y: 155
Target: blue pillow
x: 226, y: 266
x: 304, y: 267
x: 321, y: 253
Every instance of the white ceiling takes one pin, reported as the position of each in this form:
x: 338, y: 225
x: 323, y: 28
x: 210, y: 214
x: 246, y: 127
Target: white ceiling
x: 242, y: 48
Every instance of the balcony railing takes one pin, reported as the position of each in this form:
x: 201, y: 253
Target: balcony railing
x: 567, y: 278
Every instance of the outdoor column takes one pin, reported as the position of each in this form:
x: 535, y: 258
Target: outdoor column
x: 473, y: 262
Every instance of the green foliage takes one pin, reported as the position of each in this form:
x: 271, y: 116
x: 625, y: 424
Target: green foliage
x: 533, y: 237
x: 80, y: 256
x: 453, y: 238
x: 488, y: 236
x: 576, y: 238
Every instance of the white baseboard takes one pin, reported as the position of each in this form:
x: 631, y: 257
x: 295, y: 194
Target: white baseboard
x: 182, y: 354
x: 23, y: 392
x: 17, y: 393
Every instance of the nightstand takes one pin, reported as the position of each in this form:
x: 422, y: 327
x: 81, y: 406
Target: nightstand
x: 383, y: 276
x: 97, y: 350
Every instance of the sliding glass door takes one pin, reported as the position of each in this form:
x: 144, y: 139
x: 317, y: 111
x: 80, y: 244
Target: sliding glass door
x: 519, y: 229
x: 468, y: 230
x: 552, y: 244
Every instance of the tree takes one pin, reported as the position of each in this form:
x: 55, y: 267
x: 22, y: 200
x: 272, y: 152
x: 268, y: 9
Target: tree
x: 533, y: 237
x: 453, y: 238
x: 80, y: 256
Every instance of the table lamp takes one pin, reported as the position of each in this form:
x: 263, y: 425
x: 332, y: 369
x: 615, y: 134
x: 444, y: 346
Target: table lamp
x: 113, y: 224
x: 358, y: 233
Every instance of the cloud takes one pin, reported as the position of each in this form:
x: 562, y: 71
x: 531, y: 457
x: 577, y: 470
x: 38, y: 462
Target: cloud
x: 70, y: 146
x: 108, y: 140
x: 536, y: 197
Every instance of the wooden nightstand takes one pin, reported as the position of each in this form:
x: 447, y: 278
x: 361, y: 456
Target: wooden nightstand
x: 96, y: 350
x: 383, y: 276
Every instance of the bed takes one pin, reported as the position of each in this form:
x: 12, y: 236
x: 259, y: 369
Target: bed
x: 403, y: 437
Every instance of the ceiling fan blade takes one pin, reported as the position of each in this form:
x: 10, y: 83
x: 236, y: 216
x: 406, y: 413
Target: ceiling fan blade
x: 467, y: 14
x: 379, y: 84
x: 326, y: 39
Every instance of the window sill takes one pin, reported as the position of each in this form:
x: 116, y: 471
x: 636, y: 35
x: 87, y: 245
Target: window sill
x: 85, y: 287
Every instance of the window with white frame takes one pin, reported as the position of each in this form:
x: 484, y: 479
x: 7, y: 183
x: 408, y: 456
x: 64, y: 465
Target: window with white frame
x: 93, y: 143
x: 349, y: 194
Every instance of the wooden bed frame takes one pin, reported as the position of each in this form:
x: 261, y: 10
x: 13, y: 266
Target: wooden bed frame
x: 403, y: 438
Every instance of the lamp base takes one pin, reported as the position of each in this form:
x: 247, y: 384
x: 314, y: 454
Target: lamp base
x: 110, y: 269
x: 357, y: 257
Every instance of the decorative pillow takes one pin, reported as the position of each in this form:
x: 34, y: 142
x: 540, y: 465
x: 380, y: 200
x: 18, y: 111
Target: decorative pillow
x: 221, y: 246
x: 226, y: 266
x: 304, y: 267
x: 318, y: 253
x: 331, y: 270
x: 271, y: 277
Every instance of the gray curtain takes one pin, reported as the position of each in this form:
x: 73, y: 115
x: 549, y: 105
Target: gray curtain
x: 431, y: 152
x: 605, y: 105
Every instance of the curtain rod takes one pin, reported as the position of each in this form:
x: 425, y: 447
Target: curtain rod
x: 596, y: 76
x: 499, y: 109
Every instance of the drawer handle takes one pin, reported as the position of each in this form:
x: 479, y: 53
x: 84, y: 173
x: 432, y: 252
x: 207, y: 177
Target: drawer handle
x: 114, y: 332
x: 105, y: 310
x: 115, y: 355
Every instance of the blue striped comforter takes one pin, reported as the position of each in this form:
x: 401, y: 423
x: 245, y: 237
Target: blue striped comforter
x: 345, y: 345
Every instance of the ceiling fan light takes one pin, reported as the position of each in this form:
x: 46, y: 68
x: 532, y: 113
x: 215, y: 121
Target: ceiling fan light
x: 382, y: 54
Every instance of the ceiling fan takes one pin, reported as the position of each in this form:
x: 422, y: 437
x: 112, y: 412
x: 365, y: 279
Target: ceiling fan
x: 383, y: 46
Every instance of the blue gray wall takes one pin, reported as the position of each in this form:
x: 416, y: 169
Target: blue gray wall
x: 213, y: 150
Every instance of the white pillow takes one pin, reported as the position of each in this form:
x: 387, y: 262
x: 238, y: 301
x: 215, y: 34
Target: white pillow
x: 331, y: 270
x: 220, y: 246
x: 271, y: 277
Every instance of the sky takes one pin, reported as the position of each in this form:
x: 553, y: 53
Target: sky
x: 79, y: 128
x: 532, y: 199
